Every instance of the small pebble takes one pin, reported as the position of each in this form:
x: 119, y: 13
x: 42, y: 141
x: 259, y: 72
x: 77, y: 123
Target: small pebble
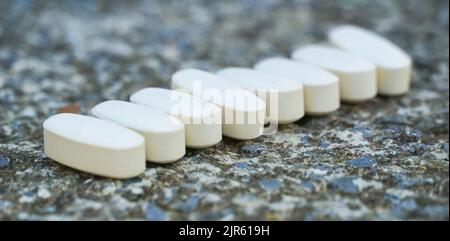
x: 4, y: 161
x: 344, y: 184
x: 72, y: 108
x: 252, y: 148
x: 362, y: 162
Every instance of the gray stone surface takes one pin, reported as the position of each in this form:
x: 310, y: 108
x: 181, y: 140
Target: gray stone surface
x: 384, y: 159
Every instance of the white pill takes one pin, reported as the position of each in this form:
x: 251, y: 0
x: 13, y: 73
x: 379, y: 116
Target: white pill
x: 164, y: 134
x: 393, y: 64
x: 202, y: 120
x: 93, y: 145
x: 357, y: 76
x: 321, y: 88
x: 289, y: 100
x: 242, y: 112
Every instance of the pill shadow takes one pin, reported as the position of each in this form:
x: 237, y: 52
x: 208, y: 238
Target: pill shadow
x: 304, y: 120
x: 387, y: 97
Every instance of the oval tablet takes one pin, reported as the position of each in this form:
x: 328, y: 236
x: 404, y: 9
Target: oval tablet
x: 393, y: 64
x: 95, y: 146
x: 321, y: 88
x: 164, y: 134
x: 242, y: 112
x: 357, y: 77
x: 289, y: 102
x: 203, y: 121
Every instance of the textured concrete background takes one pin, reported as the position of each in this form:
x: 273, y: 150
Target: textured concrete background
x: 384, y: 159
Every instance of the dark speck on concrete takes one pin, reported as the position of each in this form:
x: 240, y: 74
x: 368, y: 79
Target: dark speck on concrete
x: 252, y: 148
x: 395, y: 119
x: 415, y: 136
x: 362, y: 162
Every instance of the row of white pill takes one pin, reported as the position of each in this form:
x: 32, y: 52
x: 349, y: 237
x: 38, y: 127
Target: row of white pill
x: 157, y: 127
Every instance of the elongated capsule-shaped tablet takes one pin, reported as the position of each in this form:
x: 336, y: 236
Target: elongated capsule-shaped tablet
x: 164, y: 134
x: 203, y: 120
x: 242, y: 112
x: 393, y: 64
x: 321, y: 88
x: 93, y: 145
x: 289, y: 101
x: 357, y: 76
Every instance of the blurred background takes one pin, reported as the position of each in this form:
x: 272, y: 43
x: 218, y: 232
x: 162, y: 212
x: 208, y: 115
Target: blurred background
x: 62, y: 53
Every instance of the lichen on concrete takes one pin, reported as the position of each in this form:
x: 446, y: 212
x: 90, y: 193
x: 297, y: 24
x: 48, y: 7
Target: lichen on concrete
x: 386, y: 158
